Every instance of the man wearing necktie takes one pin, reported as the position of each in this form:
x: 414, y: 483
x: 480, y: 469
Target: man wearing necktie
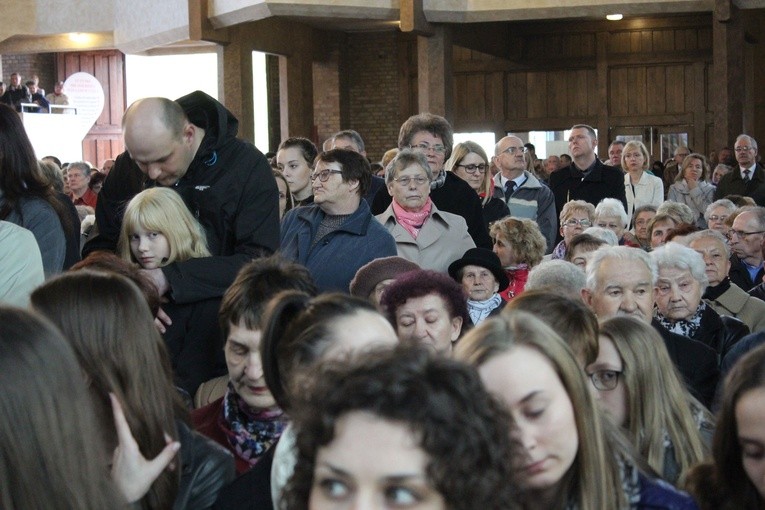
x: 526, y: 196
x: 748, y: 177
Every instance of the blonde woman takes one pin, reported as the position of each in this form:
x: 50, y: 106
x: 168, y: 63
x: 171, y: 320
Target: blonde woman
x: 158, y: 230
x: 692, y: 189
x: 639, y: 388
x: 470, y: 163
x: 640, y: 187
x: 520, y: 246
x: 570, y: 456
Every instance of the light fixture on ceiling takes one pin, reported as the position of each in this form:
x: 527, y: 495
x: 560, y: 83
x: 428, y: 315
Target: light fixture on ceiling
x: 614, y: 17
x: 78, y: 37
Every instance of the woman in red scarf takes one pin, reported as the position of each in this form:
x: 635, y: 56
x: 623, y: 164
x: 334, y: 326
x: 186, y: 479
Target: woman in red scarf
x: 425, y: 235
x: 520, y: 246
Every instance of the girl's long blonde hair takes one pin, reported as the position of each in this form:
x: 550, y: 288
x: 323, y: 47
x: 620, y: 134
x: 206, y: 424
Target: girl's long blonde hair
x: 162, y: 210
x: 458, y: 154
x: 593, y: 482
x: 657, y: 402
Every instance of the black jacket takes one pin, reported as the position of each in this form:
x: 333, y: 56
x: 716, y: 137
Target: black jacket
x: 732, y: 184
x: 603, y: 181
x: 455, y: 196
x: 206, y: 467
x: 228, y: 187
x: 696, y: 362
x: 740, y: 276
x: 720, y: 332
x: 251, y: 490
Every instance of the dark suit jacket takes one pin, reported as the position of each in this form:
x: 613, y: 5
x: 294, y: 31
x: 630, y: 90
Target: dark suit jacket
x: 696, y: 362
x: 732, y: 184
x: 739, y: 275
x: 603, y: 181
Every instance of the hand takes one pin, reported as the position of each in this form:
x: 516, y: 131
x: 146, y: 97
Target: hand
x: 159, y: 280
x: 131, y: 472
x: 692, y: 182
x: 162, y: 320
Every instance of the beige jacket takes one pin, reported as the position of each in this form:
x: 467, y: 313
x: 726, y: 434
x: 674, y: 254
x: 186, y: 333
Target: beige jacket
x: 443, y: 239
x: 735, y: 302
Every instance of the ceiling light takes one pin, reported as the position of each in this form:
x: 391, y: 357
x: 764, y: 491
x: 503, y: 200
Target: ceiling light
x: 614, y: 17
x: 78, y: 37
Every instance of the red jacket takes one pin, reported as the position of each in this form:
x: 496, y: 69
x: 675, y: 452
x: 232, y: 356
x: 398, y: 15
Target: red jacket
x: 205, y: 421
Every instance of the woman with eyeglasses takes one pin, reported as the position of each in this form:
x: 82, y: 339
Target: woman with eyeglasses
x: 569, y: 455
x: 640, y: 187
x: 575, y: 217
x: 432, y: 136
x: 639, y: 388
x: 469, y: 163
x: 691, y: 187
x: 424, y: 234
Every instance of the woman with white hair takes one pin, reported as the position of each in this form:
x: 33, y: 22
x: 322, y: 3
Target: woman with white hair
x: 679, y: 308
x: 717, y: 212
x: 610, y: 214
x: 690, y: 187
x: 640, y: 187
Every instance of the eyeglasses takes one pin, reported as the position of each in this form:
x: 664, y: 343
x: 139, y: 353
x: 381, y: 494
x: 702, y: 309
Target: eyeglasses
x: 424, y: 147
x: 406, y: 180
x: 471, y: 169
x: 605, y: 380
x: 741, y: 234
x: 743, y: 149
x: 513, y: 150
x: 323, y: 176
x: 573, y: 222
x: 717, y: 218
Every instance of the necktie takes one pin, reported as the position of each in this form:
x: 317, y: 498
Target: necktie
x: 509, y: 188
x: 746, y: 175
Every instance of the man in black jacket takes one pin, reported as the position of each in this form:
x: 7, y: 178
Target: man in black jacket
x: 191, y: 145
x: 586, y: 178
x: 620, y: 282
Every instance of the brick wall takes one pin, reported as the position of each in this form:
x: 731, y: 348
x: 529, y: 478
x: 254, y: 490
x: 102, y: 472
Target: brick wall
x: 326, y: 93
x: 41, y: 64
x: 374, y: 90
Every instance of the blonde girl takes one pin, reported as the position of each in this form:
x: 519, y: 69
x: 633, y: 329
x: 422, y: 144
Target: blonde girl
x: 158, y: 229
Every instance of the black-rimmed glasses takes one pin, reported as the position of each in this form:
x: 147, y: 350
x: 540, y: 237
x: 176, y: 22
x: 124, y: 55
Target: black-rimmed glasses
x: 471, y: 169
x: 323, y: 176
x: 741, y: 234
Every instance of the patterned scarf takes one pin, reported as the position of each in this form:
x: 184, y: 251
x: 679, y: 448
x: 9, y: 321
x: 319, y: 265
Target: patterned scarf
x: 249, y: 433
x: 479, y: 310
x: 684, y: 327
x: 559, y: 253
x: 412, y: 221
x: 439, y: 180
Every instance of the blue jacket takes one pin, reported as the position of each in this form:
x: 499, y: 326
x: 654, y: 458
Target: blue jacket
x: 334, y: 260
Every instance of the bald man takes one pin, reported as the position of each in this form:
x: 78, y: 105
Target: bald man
x: 190, y: 145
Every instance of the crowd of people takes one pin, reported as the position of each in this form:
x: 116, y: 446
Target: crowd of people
x: 29, y: 94
x: 465, y: 330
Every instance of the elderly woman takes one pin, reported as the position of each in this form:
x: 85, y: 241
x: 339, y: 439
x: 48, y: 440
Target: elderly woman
x: 374, y: 277
x: 425, y: 235
x: 610, y: 214
x: 640, y: 187
x: 717, y: 212
x: 432, y: 136
x: 575, y: 216
x: 640, y: 219
x: 481, y: 276
x: 690, y: 187
x: 469, y: 163
x: 724, y: 296
x: 427, y: 308
x: 658, y: 228
x: 520, y: 246
x: 679, y: 308
x: 720, y: 170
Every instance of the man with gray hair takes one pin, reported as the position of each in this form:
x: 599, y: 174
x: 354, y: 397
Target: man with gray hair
x: 351, y: 140
x: 79, y: 178
x: 723, y: 296
x: 746, y: 238
x: 748, y: 177
x: 620, y: 282
x: 557, y: 275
